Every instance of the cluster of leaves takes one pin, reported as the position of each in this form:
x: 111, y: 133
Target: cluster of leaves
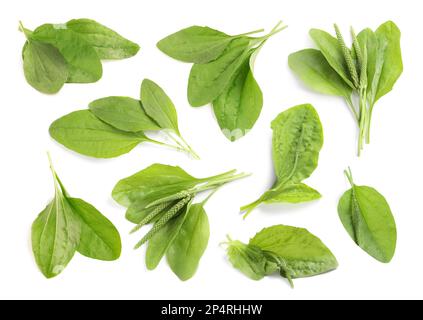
x: 163, y: 196
x: 292, y: 252
x: 68, y: 225
x: 297, y: 141
x: 115, y: 125
x: 222, y: 73
x: 368, y: 219
x: 55, y: 54
x: 364, y: 73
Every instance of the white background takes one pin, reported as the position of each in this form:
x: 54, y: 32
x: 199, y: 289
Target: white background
x: 392, y: 163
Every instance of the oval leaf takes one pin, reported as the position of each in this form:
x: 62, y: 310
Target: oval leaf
x: 84, y: 133
x: 195, y: 44
x: 107, y: 43
x: 312, y: 68
x: 190, y: 243
x: 238, y: 107
x: 156, y: 181
x: 368, y: 219
x: 393, y: 66
x: 123, y: 113
x: 297, y: 141
x: 44, y: 67
x: 99, y: 238
x: 303, y: 253
x: 83, y: 62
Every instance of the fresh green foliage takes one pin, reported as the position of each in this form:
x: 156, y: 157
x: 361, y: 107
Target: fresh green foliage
x: 361, y: 75
x: 70, y: 225
x: 114, y: 126
x: 293, y: 252
x: 55, y: 54
x: 368, y: 219
x: 222, y: 74
x: 297, y: 141
x: 162, y: 196
x: 108, y: 44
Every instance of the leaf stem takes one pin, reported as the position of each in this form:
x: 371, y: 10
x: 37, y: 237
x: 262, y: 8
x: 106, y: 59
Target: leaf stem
x: 348, y: 174
x: 352, y: 109
x: 24, y: 30
x: 248, y: 33
x: 248, y: 209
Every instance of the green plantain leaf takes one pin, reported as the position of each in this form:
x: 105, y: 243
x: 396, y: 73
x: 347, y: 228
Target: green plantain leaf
x: 208, y: 81
x: 238, y: 107
x: 187, y: 248
x: 84, y: 133
x: 195, y: 44
x: 44, y: 67
x: 313, y: 69
x: 107, y: 43
x: 84, y: 65
x: 123, y: 113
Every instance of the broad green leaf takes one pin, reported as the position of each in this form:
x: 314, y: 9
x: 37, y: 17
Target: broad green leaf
x: 238, y: 107
x: 162, y: 240
x: 313, y: 69
x: 291, y: 193
x: 332, y: 51
x: 366, y: 216
x: 107, y: 43
x: 123, y: 113
x: 195, y: 44
x: 190, y: 243
x: 302, y: 253
x: 44, y: 67
x: 139, y: 210
x: 152, y: 183
x: 55, y: 235
x: 208, y: 81
x: 250, y: 260
x: 99, y: 238
x: 84, y: 133
x: 393, y: 66
x: 83, y: 62
x: 297, y: 141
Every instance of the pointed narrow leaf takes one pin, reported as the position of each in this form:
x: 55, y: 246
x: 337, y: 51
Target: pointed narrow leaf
x: 156, y: 181
x: 84, y: 133
x: 162, y: 240
x: 158, y: 106
x: 195, y: 44
x: 291, y: 193
x: 55, y: 237
x: 332, y: 51
x: 208, y: 81
x: 107, y: 43
x: 123, y: 113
